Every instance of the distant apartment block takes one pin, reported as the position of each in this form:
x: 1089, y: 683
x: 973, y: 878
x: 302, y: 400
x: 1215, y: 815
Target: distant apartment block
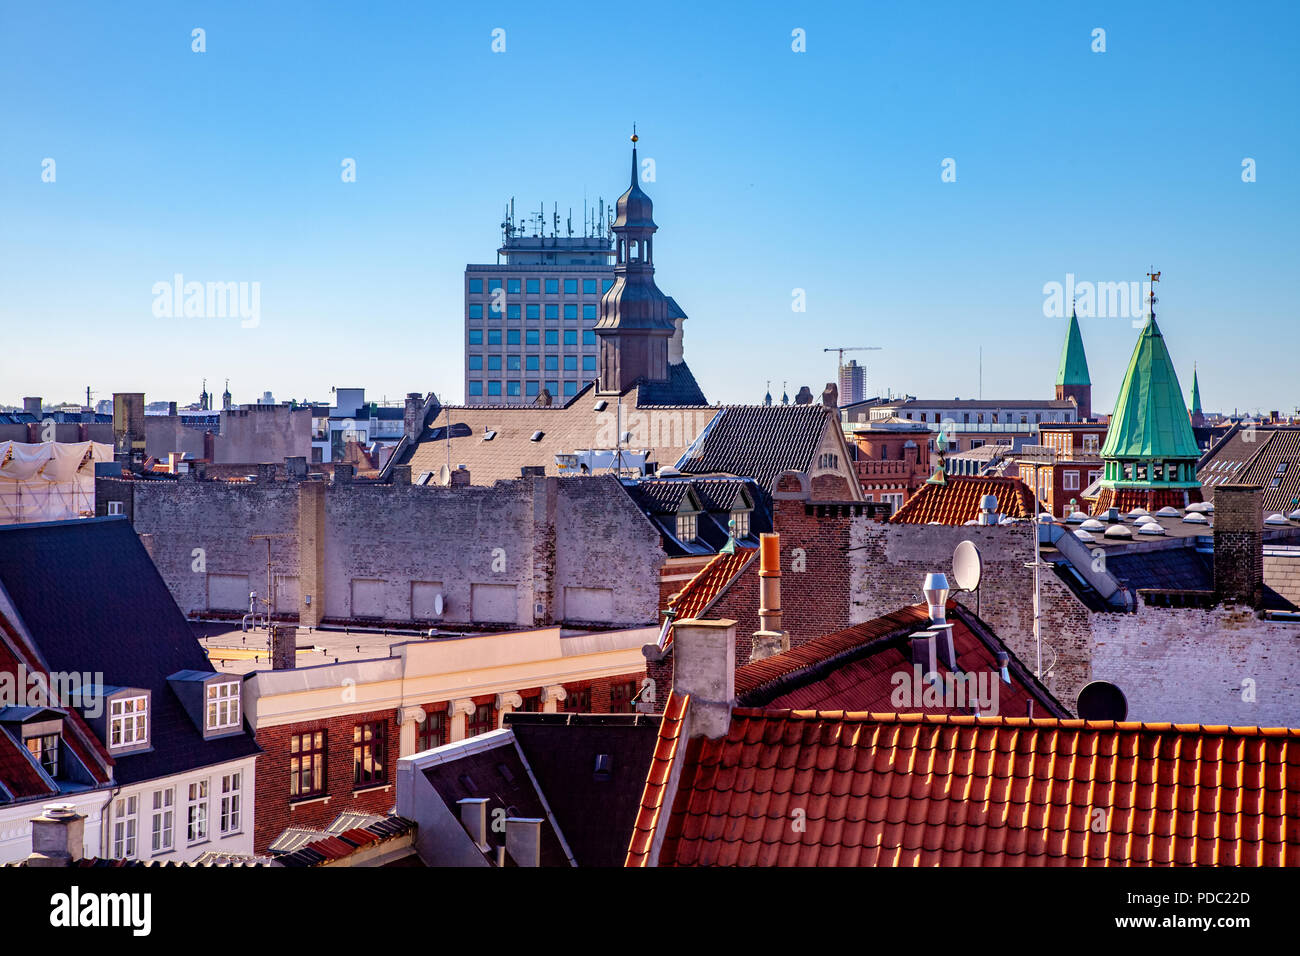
x: 530, y: 318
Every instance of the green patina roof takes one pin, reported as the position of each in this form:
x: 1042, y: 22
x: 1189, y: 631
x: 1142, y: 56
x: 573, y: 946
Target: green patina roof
x: 1074, y: 364
x: 1150, y: 421
x: 1196, y: 393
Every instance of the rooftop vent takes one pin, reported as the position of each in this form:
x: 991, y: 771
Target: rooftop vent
x: 489, y: 434
x: 1147, y: 519
x: 1151, y: 527
x: 536, y: 436
x: 1137, y: 513
x: 1196, y: 518
x: 1084, y: 535
x: 1119, y: 531
x: 602, y: 405
x: 1168, y: 512
x: 1076, y: 517
x: 1092, y: 524
x: 1199, y: 507
x: 1111, y: 515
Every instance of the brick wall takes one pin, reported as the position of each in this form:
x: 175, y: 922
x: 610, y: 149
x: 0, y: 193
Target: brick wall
x: 537, y: 536
x: 1187, y: 665
x: 275, y: 812
x: 1238, y: 543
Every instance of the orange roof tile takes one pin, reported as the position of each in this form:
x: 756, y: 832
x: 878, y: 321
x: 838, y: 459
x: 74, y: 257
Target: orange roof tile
x: 861, y: 789
x: 661, y: 764
x: 699, y: 593
x: 1152, y: 499
x: 958, y: 501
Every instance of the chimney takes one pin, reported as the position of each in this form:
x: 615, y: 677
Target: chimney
x: 704, y: 666
x: 265, y: 472
x: 473, y: 816
x: 524, y: 840
x: 401, y: 474
x: 284, y: 647
x: 412, y: 420
x: 460, y: 477
x: 543, y: 398
x: 1239, y: 544
x: 32, y: 406
x: 342, y: 473
x: 58, y: 836
x: 923, y: 651
x: 769, y: 639
x: 295, y: 468
x: 831, y: 395
x: 989, y: 510
x: 171, y: 409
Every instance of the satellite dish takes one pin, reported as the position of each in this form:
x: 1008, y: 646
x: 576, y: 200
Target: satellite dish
x: 967, y: 566
x: 1102, y: 700
x: 444, y: 475
x: 437, y: 604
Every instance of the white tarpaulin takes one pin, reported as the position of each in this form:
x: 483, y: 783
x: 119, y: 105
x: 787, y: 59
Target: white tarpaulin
x: 48, y: 481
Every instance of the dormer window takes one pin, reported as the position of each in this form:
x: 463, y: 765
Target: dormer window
x: 740, y: 521
x: 128, y: 722
x: 46, y: 749
x: 223, y: 706
x: 687, y: 527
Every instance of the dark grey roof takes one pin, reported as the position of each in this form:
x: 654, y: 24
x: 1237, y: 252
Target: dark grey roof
x: 660, y: 498
x: 680, y: 389
x: 758, y: 441
x: 90, y: 597
x: 1164, y: 569
x: 596, y: 813
x: 499, y: 775
x: 1252, y: 457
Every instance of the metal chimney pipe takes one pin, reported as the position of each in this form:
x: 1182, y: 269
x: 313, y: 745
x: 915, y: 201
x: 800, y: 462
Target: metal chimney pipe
x: 769, y: 582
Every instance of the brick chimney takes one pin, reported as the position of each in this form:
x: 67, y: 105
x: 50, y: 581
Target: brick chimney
x: 58, y: 836
x: 32, y: 406
x: 284, y: 647
x: 265, y: 472
x: 342, y: 473
x: 704, y: 666
x: 401, y: 474
x: 831, y: 395
x: 769, y: 639
x: 460, y: 477
x: 295, y: 468
x: 1239, y: 544
x: 412, y: 420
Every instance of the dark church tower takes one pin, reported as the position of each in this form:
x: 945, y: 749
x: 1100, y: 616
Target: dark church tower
x: 634, y: 327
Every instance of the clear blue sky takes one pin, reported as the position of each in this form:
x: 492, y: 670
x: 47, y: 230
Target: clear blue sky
x: 775, y: 170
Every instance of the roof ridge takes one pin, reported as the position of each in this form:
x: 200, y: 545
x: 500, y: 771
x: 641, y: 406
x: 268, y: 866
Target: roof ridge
x: 1071, y: 723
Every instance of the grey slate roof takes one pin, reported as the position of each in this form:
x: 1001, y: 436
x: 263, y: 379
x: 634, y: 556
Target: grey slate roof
x: 759, y: 441
x: 90, y: 597
x: 680, y: 389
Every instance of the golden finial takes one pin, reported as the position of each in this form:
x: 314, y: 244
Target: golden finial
x: 634, y: 136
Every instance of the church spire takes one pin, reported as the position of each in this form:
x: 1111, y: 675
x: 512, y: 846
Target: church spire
x: 1072, y: 378
x: 634, y: 328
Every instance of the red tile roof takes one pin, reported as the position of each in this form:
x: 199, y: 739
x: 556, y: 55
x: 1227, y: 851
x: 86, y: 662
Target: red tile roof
x: 656, y: 787
x: 936, y: 790
x: 699, y: 593
x: 958, y: 500
x: 856, y: 669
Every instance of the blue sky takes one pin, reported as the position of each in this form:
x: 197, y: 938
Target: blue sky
x: 775, y: 171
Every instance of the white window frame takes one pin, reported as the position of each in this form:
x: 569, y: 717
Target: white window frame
x: 162, y: 821
x: 1069, y: 481
x: 129, y: 724
x: 196, y: 812
x: 741, y: 517
x: 688, y: 522
x: 115, y: 508
x: 126, y: 813
x: 1095, y: 474
x: 221, y: 697
x: 231, y: 803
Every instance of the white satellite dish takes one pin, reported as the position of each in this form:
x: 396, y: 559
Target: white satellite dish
x: 437, y: 604
x: 967, y: 566
x: 444, y: 475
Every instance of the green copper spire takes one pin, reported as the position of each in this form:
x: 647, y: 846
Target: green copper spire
x: 1150, y: 422
x: 1196, y: 393
x: 1074, y: 364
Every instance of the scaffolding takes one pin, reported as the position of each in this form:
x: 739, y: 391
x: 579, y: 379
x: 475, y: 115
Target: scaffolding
x: 48, y: 481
